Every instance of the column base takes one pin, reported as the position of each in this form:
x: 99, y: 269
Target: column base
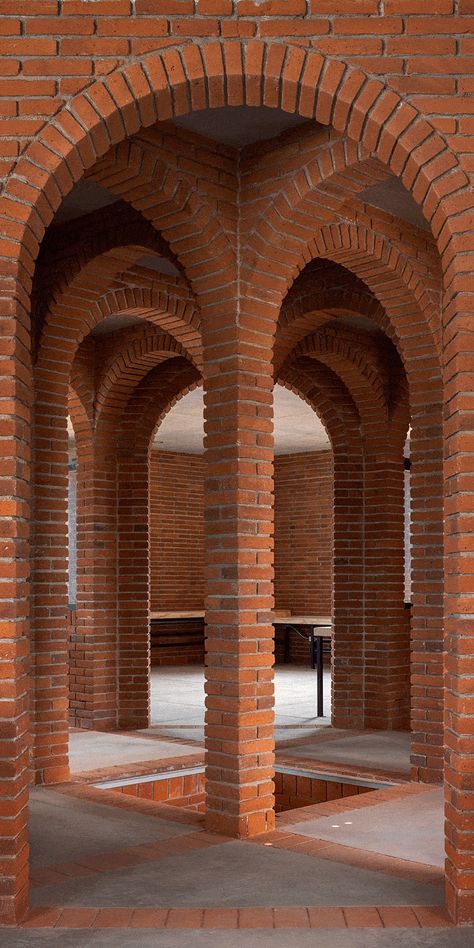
x: 460, y: 905
x: 14, y: 908
x: 45, y: 776
x: 240, y: 827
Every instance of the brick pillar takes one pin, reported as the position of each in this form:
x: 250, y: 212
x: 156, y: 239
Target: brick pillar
x: 371, y: 637
x: 371, y: 645
x: 427, y: 582
x: 50, y: 631
x: 94, y: 684
x: 386, y: 621
x: 15, y: 394
x: 459, y: 609
x: 239, y: 551
x: 348, y: 588
x: 134, y: 587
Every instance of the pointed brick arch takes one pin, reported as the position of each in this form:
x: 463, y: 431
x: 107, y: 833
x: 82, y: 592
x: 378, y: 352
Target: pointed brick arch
x: 134, y: 355
x: 355, y: 358
x: 310, y: 310
x: 158, y: 391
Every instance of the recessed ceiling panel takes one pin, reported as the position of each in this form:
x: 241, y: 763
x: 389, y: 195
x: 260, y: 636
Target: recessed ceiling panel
x: 239, y: 125
x: 85, y: 197
x: 391, y: 195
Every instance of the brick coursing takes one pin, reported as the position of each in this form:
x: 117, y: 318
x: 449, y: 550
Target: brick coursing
x: 82, y: 85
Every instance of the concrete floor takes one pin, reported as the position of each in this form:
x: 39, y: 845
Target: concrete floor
x: 100, y: 864
x: 178, y: 716
x: 62, y: 829
x: 411, y: 828
x: 178, y: 712
x: 231, y: 873
x: 99, y: 858
x: 382, y: 750
x: 178, y: 701
x: 253, y: 938
x: 92, y: 750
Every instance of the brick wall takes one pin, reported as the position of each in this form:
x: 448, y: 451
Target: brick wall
x: 176, y: 531
x: 303, y: 532
x: 422, y: 50
x: 303, y: 543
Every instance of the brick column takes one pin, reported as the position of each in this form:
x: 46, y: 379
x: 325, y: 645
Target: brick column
x: 134, y: 586
x: 371, y: 646
x: 459, y: 608
x: 348, y: 585
x: 239, y: 541
x: 427, y: 586
x: 94, y: 668
x: 50, y: 631
x: 386, y: 621
x: 15, y: 394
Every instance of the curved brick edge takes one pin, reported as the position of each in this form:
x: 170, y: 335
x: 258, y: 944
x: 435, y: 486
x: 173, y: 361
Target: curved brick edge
x: 221, y: 73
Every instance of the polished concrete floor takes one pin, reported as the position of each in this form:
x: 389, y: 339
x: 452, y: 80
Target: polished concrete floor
x: 109, y: 871
x: 92, y: 750
x: 178, y: 701
x: 253, y: 938
x: 411, y: 828
x: 367, y: 873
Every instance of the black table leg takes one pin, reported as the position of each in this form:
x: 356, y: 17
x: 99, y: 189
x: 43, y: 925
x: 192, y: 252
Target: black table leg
x: 319, y: 673
x: 286, y: 652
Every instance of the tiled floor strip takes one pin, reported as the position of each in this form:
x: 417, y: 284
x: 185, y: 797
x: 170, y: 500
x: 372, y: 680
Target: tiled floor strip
x: 280, y: 917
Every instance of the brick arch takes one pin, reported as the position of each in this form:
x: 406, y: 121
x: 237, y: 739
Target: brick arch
x: 324, y: 391
x: 80, y: 402
x: 71, y: 318
x: 112, y: 599
x: 400, y: 291
x: 387, y: 271
x: 275, y: 74
x: 68, y: 248
x: 308, y: 311
x: 305, y: 201
x: 92, y: 296
x: 135, y: 354
x: 408, y: 310
x: 381, y: 267
x: 137, y: 172
x: 356, y: 360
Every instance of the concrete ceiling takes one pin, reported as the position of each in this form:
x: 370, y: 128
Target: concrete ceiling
x: 392, y: 196
x: 239, y: 125
x: 85, y: 197
x: 113, y: 323
x: 297, y: 427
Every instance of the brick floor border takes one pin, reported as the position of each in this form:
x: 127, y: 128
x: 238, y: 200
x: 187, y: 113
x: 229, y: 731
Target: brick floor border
x: 278, y: 917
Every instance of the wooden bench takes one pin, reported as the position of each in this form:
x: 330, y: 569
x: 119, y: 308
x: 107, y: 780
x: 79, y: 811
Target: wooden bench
x: 176, y: 636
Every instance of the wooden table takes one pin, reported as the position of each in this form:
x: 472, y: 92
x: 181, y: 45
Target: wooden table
x: 297, y: 624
